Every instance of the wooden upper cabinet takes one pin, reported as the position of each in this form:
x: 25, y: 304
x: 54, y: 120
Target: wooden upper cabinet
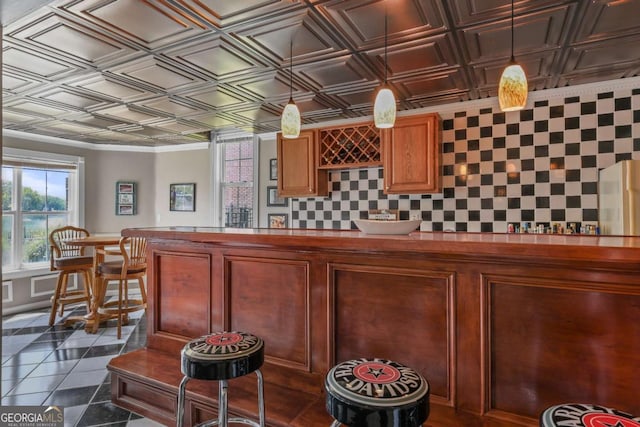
x: 411, y: 155
x: 298, y: 173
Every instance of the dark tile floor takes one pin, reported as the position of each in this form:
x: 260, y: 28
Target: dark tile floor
x: 66, y: 367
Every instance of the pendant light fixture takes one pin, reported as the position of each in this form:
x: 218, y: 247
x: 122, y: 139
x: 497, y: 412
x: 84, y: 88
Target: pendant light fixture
x: 384, y: 107
x: 512, y: 90
x: 290, y: 121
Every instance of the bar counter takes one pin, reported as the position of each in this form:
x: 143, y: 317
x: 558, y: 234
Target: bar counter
x: 501, y: 325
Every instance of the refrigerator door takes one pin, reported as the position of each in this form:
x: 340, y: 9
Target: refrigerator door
x: 619, y: 198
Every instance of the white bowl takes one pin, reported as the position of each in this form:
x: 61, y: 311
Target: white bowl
x: 369, y: 226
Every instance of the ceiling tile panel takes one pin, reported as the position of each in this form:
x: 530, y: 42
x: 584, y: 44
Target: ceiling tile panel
x: 539, y: 30
x: 213, y: 120
x: 108, y: 86
x: 216, y: 57
x: 430, y: 54
x: 259, y: 113
x: 37, y: 107
x: 180, y: 127
x: 215, y: 97
x: 606, y: 19
x: 94, y: 121
x: 362, y: 21
x: 269, y: 85
x: 336, y: 72
x: 471, y: 12
x: 71, y: 98
x: 67, y: 38
x: 150, y: 24
x: 300, y: 33
x: 124, y: 112
x: 16, y: 83
x: 170, y: 106
x: 13, y: 117
x: 434, y: 84
x: 230, y: 13
x: 586, y: 57
x: 23, y: 61
x: 157, y: 73
x: 72, y: 128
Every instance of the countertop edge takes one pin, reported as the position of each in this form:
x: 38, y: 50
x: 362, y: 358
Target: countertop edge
x: 538, y: 246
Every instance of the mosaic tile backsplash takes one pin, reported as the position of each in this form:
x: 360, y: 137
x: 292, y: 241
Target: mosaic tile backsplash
x: 539, y: 166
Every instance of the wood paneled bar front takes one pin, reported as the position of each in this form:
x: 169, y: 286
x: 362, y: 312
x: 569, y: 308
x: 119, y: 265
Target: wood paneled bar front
x: 501, y: 325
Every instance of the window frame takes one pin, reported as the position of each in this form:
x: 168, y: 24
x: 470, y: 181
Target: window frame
x: 75, y: 210
x: 219, y: 185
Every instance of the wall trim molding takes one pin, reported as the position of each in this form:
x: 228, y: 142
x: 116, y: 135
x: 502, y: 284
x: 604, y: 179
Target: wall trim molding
x: 102, y: 147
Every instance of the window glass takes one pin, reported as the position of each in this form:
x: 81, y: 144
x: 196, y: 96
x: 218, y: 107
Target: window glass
x: 34, y: 243
x: 7, y: 189
x: 36, y: 199
x: 7, y: 239
x: 237, y: 185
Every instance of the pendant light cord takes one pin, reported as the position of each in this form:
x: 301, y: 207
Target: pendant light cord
x: 385, y: 45
x: 291, y: 70
x: 513, y: 58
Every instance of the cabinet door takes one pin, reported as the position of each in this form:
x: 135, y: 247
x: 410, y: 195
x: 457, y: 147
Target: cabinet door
x: 298, y: 174
x: 411, y: 155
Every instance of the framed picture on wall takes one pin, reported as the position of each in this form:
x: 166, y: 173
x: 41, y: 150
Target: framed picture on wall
x: 125, y: 198
x: 273, y: 169
x: 278, y: 220
x: 182, y: 197
x: 273, y: 199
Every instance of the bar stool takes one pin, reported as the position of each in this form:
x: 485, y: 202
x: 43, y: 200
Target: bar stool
x: 222, y: 356
x: 376, y: 393
x: 586, y: 415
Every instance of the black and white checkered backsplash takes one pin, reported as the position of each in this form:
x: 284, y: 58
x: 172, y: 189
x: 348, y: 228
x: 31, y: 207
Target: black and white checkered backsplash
x: 538, y: 165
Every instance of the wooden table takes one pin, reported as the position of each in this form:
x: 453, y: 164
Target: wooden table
x: 98, y: 242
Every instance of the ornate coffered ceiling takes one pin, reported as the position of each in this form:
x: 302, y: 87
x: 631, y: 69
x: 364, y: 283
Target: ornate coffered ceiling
x: 161, y: 72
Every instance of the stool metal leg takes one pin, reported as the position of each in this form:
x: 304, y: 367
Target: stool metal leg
x: 223, y: 418
x: 222, y: 403
x: 260, y: 397
x: 181, y: 393
x: 261, y: 413
x: 335, y: 423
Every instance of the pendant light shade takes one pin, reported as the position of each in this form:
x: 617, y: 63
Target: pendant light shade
x: 290, y: 120
x: 512, y: 92
x: 384, y: 107
x: 513, y: 88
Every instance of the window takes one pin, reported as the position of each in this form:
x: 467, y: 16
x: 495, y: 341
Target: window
x: 40, y: 192
x: 237, y: 171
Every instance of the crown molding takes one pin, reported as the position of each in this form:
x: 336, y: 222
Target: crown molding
x: 102, y: 147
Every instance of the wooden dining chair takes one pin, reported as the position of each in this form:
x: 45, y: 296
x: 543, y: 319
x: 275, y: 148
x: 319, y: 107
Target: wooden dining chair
x: 67, y: 260
x: 133, y: 265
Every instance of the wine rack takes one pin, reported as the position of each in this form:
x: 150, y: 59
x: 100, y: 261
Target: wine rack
x: 356, y: 145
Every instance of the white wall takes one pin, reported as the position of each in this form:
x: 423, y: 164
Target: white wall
x: 182, y: 167
x: 152, y: 172
x: 267, y: 150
